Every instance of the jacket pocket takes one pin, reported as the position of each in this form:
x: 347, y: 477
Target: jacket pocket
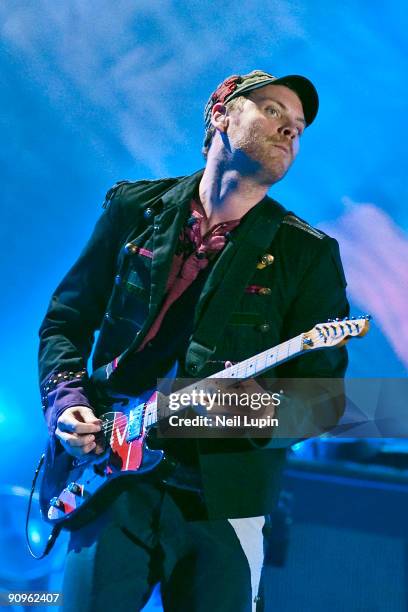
x: 131, y: 295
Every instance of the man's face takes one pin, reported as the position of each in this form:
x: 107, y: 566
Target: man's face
x: 264, y: 134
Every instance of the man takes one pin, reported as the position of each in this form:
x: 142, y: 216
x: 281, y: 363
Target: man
x: 200, y: 271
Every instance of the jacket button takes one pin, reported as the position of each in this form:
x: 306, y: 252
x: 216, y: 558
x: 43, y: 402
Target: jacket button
x: 131, y: 248
x: 193, y: 368
x: 264, y: 327
x: 265, y: 291
x: 107, y: 316
x: 148, y: 213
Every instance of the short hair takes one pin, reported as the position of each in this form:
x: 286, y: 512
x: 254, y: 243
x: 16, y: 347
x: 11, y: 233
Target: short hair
x: 234, y: 104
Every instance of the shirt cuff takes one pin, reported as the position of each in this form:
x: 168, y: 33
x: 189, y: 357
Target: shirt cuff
x: 60, y: 393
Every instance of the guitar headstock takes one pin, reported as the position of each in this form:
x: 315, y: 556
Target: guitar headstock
x: 335, y: 332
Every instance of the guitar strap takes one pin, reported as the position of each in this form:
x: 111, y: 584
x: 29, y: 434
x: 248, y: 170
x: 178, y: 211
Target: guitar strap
x: 249, y: 247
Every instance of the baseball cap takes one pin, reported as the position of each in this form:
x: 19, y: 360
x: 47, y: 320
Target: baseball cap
x: 237, y: 85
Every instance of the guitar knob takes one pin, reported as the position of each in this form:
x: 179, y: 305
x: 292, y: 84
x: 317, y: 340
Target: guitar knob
x: 56, y: 502
x: 75, y: 488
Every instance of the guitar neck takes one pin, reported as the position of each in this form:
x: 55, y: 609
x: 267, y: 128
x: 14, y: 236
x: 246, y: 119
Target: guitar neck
x: 323, y: 335
x: 249, y: 368
x: 260, y: 363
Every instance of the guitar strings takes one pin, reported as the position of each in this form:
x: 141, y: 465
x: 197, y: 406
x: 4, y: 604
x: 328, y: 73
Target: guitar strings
x: 234, y: 370
x: 238, y: 369
x: 123, y: 419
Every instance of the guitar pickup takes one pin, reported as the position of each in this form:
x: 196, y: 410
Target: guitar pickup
x: 56, y: 502
x: 135, y: 423
x: 75, y: 488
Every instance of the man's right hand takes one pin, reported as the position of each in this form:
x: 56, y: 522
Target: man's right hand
x: 75, y: 430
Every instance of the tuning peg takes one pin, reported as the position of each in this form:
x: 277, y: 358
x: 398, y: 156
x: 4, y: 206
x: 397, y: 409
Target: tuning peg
x: 329, y: 320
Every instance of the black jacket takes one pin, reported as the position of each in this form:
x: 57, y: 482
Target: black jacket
x: 112, y: 288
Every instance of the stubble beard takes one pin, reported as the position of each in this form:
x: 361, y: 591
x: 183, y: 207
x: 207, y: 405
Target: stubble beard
x: 268, y: 163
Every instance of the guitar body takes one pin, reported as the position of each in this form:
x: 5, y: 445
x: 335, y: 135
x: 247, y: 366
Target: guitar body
x: 73, y: 490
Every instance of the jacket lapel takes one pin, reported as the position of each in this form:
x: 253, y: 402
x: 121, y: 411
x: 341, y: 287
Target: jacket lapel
x: 166, y: 228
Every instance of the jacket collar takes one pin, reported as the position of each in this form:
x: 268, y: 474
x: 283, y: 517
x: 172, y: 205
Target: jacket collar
x: 182, y: 191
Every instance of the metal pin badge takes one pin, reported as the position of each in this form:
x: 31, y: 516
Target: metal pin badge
x: 265, y: 260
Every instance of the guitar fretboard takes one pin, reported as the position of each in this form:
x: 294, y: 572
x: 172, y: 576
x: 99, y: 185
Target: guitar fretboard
x: 253, y: 366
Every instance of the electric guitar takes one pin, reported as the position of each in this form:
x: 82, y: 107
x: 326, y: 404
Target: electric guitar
x: 73, y: 489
